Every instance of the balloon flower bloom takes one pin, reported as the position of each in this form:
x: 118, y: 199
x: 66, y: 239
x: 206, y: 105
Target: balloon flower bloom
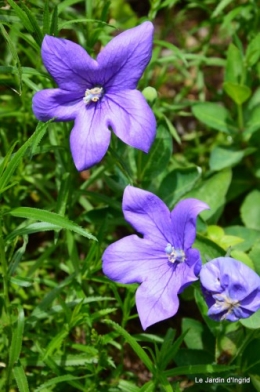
x: 231, y: 289
x: 162, y: 261
x: 99, y: 95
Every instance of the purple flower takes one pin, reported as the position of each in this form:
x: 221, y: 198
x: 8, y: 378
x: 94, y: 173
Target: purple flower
x: 99, y: 94
x: 231, y: 289
x: 162, y: 261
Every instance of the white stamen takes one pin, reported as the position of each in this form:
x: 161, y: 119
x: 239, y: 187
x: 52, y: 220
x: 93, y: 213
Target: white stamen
x: 174, y: 254
x: 93, y: 95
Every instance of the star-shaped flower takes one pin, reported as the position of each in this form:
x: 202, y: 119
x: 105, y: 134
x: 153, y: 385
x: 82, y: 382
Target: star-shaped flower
x: 231, y: 289
x: 163, y: 260
x: 99, y: 95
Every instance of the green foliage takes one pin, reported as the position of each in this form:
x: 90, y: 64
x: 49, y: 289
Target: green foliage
x: 66, y: 327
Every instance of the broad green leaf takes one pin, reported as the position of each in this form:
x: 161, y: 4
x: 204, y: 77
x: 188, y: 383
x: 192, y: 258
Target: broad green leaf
x: 252, y: 322
x: 221, y: 158
x: 243, y: 257
x: 198, y: 336
x: 177, y: 183
x: 249, y: 236
x: 20, y: 377
x: 17, y: 336
x: 254, y: 254
x: 253, y: 51
x: 50, y: 217
x: 234, y: 65
x: 213, y: 192
x: 250, y: 210
x: 208, y: 249
x: 238, y: 93
x: 133, y: 343
x: 151, y: 164
x: 214, y: 116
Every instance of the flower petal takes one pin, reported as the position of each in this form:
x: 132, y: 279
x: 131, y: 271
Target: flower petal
x: 133, y: 260
x: 90, y: 137
x: 125, y: 57
x: 183, y: 225
x: 69, y: 64
x: 131, y: 118
x: 61, y: 104
x: 148, y: 215
x: 157, y: 299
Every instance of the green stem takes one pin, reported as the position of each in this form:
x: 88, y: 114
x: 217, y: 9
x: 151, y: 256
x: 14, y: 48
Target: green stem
x: 240, y: 118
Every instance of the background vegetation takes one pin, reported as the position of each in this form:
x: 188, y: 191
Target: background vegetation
x: 64, y: 325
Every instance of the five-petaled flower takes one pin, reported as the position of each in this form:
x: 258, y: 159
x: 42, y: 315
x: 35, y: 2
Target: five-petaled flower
x: 100, y: 94
x: 231, y: 289
x: 163, y: 260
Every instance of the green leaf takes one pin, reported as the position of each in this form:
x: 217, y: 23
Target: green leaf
x: 198, y: 369
x: 249, y: 236
x: 214, y: 116
x: 237, y: 92
x: 213, y: 192
x: 250, y: 210
x: 34, y: 139
x: 254, y: 255
x: 223, y: 4
x: 234, y: 65
x: 221, y: 157
x: 198, y: 336
x: 209, y: 250
x: 57, y: 380
x: 32, y: 228
x: 253, y: 123
x: 21, y: 14
x: 20, y: 377
x: 148, y: 387
x: 252, y: 322
x: 243, y: 257
x: 14, y: 55
x: 50, y: 217
x: 127, y: 386
x: 133, y: 343
x: 37, y: 34
x: 151, y: 164
x: 253, y: 51
x: 177, y: 183
x: 54, y: 30
x: 46, y: 18
x: 17, y: 336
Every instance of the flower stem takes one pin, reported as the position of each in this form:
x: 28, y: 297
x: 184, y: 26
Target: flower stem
x: 240, y: 119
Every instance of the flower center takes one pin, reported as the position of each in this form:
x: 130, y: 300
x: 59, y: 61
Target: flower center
x: 225, y: 304
x: 93, y: 94
x: 175, y: 254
